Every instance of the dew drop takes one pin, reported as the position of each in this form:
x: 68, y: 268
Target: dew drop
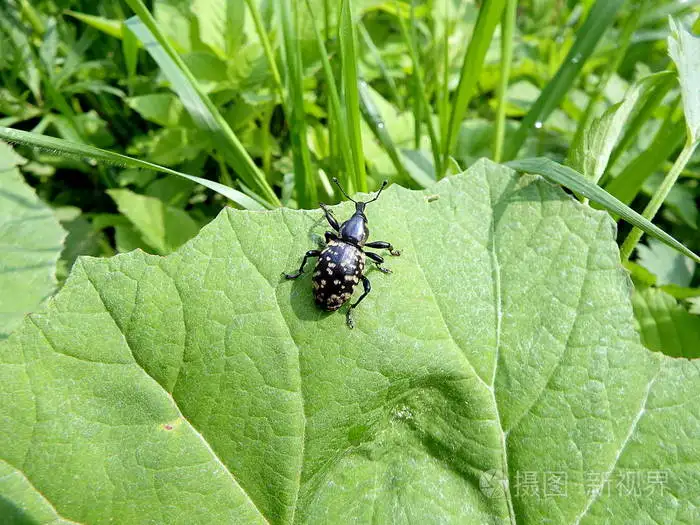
x: 539, y: 124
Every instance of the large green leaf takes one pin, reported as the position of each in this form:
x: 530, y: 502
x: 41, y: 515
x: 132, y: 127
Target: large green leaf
x: 203, y: 387
x: 31, y: 240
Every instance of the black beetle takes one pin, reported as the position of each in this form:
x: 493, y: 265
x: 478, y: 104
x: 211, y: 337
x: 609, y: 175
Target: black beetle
x: 341, y: 263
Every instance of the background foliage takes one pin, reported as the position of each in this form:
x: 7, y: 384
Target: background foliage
x: 149, y: 118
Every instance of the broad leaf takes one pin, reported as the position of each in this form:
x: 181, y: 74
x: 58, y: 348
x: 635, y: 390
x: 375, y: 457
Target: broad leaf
x: 204, y: 386
x: 31, y: 240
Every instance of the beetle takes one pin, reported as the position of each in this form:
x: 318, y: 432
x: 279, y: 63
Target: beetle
x: 341, y: 264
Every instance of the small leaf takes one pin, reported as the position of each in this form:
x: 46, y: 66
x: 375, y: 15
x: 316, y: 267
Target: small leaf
x: 669, y: 266
x: 82, y: 239
x: 162, y: 108
x: 684, y: 48
x: 162, y: 226
x: 694, y: 305
x: 591, y: 154
x: 212, y: 17
x: 665, y: 326
x: 31, y: 240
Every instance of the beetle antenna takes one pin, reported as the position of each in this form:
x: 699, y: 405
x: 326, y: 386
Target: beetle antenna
x: 379, y: 192
x: 342, y: 190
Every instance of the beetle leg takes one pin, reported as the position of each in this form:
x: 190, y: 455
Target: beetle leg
x: 330, y: 218
x: 310, y: 253
x: 381, y: 245
x: 367, y: 288
x: 378, y: 260
x: 330, y: 236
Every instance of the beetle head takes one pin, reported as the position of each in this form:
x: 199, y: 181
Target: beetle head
x: 355, y: 229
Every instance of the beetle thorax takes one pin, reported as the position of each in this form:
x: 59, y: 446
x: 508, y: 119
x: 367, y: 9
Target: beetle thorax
x: 355, y: 230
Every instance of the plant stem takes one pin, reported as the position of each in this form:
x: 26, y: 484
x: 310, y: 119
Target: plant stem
x: 658, y: 198
x: 508, y: 28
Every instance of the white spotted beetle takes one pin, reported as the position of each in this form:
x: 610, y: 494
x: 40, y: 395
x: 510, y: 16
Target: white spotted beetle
x: 341, y: 263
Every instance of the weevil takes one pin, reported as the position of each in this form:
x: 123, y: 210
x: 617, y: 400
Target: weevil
x: 341, y: 264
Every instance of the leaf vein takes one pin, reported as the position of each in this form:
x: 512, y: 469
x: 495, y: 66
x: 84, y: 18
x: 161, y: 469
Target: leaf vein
x: 196, y: 431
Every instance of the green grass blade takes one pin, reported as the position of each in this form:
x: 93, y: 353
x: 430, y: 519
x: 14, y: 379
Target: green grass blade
x: 576, y: 182
x: 83, y: 151
x: 641, y: 117
x: 590, y: 152
x: 304, y: 180
x: 444, y: 84
x: 383, y: 69
x: 489, y: 17
x: 110, y: 27
x: 508, y: 24
x: 422, y: 101
x: 684, y: 48
x: 197, y: 103
x: 613, y: 65
x: 267, y: 46
x: 334, y: 98
x: 375, y: 121
x: 658, y: 199
x: 348, y: 48
x: 600, y: 18
x: 130, y: 48
x: 420, y: 108
x: 667, y: 140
